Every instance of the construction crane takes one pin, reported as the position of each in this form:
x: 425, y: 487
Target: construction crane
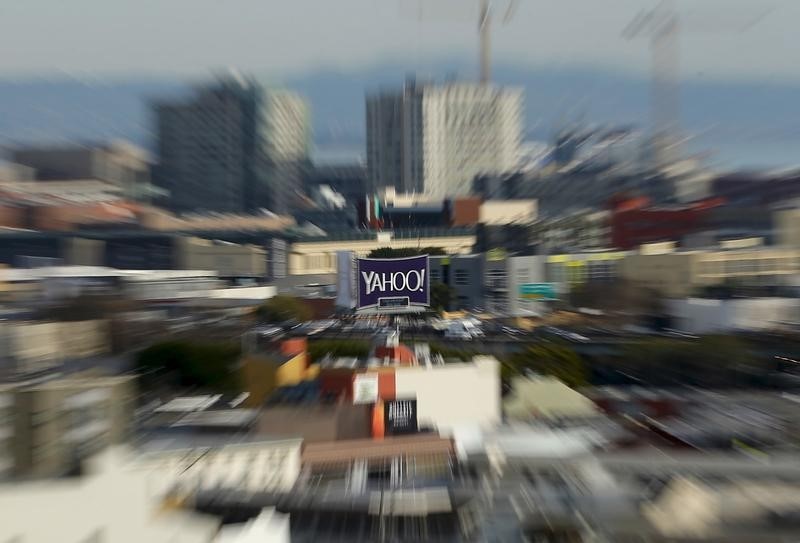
x: 663, y: 26
x: 486, y: 11
x: 485, y: 35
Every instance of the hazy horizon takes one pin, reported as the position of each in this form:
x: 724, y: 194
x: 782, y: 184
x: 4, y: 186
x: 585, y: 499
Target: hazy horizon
x: 189, y: 38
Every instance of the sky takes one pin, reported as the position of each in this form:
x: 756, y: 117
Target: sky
x: 291, y: 37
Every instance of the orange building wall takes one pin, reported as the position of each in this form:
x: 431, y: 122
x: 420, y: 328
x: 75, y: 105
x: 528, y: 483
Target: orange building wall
x: 294, y: 345
x: 338, y: 382
x: 13, y: 217
x: 378, y: 424
x: 401, y: 355
x: 387, y: 389
x: 466, y: 211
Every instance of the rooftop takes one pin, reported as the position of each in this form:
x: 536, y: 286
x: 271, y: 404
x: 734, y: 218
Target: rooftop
x: 189, y: 404
x: 371, y: 449
x: 232, y: 418
x: 191, y: 441
x: 409, y: 233
x: 57, y: 272
x: 59, y: 381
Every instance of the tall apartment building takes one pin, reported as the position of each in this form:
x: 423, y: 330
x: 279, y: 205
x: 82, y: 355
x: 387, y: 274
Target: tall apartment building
x: 286, y: 139
x: 435, y: 139
x: 46, y: 426
x: 232, y: 147
x: 33, y: 347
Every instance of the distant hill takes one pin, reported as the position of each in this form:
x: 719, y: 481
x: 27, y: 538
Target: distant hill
x: 59, y: 110
x: 70, y: 110
x: 731, y: 110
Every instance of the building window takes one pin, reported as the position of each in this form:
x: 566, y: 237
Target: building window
x: 496, y: 279
x: 556, y: 273
x: 462, y: 277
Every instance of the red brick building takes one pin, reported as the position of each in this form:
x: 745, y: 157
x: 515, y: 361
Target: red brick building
x: 633, y: 222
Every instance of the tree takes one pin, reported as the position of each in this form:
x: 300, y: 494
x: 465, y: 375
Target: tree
x: 711, y: 361
x: 389, y: 252
x: 180, y: 364
x: 284, y: 308
x: 318, y: 349
x: 552, y: 359
x: 441, y: 296
x: 465, y: 355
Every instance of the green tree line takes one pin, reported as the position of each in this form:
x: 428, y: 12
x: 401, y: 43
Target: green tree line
x: 390, y: 252
x: 317, y: 349
x: 197, y: 364
x: 283, y: 308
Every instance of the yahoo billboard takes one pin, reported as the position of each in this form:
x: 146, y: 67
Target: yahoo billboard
x: 387, y: 283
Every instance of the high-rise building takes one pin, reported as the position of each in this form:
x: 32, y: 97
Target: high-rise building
x: 232, y: 147
x: 286, y: 139
x: 435, y: 139
x: 119, y: 163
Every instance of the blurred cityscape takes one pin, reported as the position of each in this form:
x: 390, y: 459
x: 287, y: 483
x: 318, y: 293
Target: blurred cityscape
x: 458, y: 332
